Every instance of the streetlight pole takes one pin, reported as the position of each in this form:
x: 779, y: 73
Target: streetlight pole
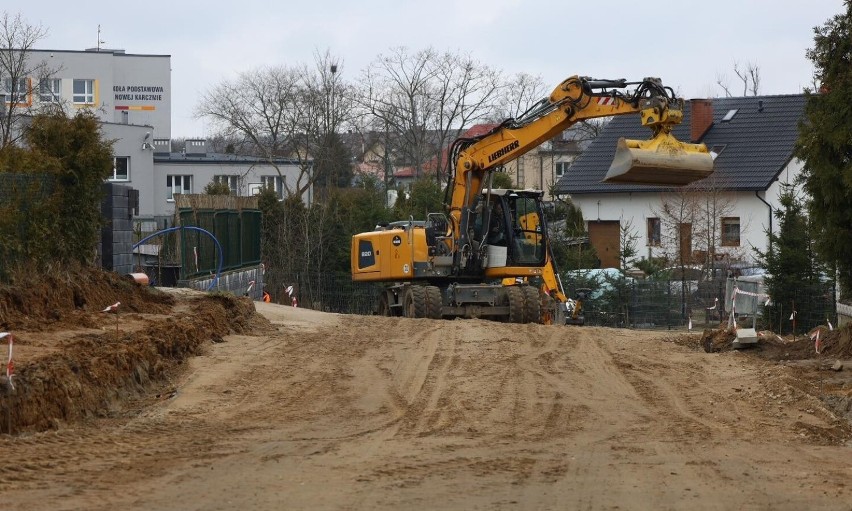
x: 331, y: 127
x: 331, y: 117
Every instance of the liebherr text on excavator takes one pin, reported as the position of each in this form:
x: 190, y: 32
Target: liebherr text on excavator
x: 453, y: 263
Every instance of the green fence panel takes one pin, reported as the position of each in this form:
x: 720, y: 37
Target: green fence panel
x: 237, y: 231
x: 250, y: 237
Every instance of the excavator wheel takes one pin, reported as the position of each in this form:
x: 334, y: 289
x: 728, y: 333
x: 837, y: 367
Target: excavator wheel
x: 384, y: 308
x: 532, y: 304
x: 422, y: 302
x: 413, y: 302
x: 516, y: 304
x: 434, y: 304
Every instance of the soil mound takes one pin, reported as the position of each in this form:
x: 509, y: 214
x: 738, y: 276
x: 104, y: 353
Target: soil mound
x: 72, y: 361
x: 66, y: 299
x: 819, y: 342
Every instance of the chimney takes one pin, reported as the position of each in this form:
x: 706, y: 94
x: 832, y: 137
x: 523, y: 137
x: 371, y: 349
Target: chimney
x: 162, y: 146
x: 702, y: 118
x: 196, y: 147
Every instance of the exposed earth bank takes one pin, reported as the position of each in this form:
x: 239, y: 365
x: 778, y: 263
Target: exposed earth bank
x: 184, y: 400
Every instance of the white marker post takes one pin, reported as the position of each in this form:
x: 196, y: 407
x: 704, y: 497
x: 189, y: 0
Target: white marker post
x: 10, y: 372
x: 114, y: 310
x: 10, y: 363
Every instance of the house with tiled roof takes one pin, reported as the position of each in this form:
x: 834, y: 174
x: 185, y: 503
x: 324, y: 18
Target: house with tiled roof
x: 752, y: 141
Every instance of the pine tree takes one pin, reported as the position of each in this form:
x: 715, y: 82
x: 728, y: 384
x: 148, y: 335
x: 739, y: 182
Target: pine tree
x: 792, y: 265
x: 825, y: 145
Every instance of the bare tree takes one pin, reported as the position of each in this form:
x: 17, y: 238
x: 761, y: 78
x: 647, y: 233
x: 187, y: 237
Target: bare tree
x: 280, y: 112
x: 262, y: 108
x: 691, y: 225
x: 394, y: 91
x: 328, y: 107
x: 465, y: 92
x: 713, y: 202
x: 519, y: 94
x: 423, y: 100
x: 17, y: 38
x: 748, y: 75
x: 677, y: 214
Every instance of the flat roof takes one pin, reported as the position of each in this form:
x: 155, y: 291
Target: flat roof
x: 103, y: 51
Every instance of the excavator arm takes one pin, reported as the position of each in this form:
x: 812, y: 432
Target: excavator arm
x: 660, y: 161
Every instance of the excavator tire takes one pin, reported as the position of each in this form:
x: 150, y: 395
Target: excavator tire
x: 516, y: 304
x: 532, y: 305
x: 384, y: 308
x: 414, y: 303
x: 434, y: 304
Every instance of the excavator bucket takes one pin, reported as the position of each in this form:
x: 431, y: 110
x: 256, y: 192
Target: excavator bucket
x: 661, y: 161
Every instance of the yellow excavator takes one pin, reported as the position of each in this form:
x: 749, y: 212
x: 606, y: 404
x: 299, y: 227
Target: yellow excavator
x: 453, y: 264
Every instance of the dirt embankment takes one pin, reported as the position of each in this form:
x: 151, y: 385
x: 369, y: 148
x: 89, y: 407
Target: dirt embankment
x: 73, y: 361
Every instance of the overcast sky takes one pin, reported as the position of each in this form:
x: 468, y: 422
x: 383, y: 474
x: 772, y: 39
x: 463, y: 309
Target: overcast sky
x: 686, y: 43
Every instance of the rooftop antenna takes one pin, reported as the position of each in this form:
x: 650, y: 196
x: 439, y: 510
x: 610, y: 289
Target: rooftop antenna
x: 99, y: 38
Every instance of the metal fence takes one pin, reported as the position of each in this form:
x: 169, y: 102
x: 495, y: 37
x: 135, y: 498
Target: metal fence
x: 329, y: 292
x: 238, y: 233
x: 624, y: 303
x: 674, y: 304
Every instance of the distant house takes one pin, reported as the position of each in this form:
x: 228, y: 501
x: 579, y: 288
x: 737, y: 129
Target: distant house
x: 753, y: 140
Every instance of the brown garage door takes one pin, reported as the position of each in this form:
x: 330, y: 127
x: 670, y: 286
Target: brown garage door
x: 604, y: 236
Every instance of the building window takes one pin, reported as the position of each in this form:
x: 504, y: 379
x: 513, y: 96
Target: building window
x: 84, y: 92
x: 731, y: 232
x: 178, y: 184
x: 275, y: 183
x: 120, y: 168
x: 50, y: 90
x: 562, y: 167
x: 15, y: 91
x: 231, y: 181
x: 654, y: 232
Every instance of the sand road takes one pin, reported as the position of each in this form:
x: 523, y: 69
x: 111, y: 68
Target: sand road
x: 325, y: 411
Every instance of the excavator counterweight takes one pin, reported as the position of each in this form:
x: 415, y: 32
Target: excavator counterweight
x: 662, y: 161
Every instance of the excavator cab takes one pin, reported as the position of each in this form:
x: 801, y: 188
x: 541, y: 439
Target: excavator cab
x: 663, y: 160
x: 510, y: 228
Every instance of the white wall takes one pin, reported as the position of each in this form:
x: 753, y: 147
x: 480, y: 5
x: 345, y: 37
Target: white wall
x: 135, y: 86
x: 638, y: 207
x: 128, y: 141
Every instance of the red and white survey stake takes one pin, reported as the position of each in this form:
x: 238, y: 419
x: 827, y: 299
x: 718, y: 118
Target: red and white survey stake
x: 10, y: 364
x: 289, y: 290
x: 112, y: 308
x: 817, y: 343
